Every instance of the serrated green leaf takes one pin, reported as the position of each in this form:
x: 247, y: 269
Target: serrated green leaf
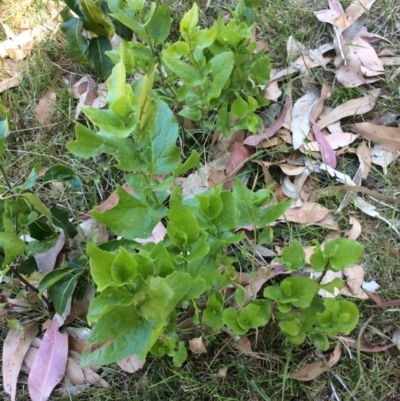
x: 293, y: 256
x: 245, y: 203
x: 76, y: 43
x: 230, y: 318
x: 120, y: 98
x: 96, y: 53
x: 239, y: 107
x: 291, y: 327
x: 60, y: 218
x: 190, y: 19
x: 12, y: 246
x: 62, y: 173
x: 36, y: 204
x: 192, y: 162
x: 61, y: 291
x: 130, y: 217
x: 90, y: 144
x: 96, y: 20
x: 159, y: 25
x: 124, y: 268
x: 122, y: 333
x: 100, y: 266
x: 342, y: 253
x: 182, y: 226
x: 303, y: 290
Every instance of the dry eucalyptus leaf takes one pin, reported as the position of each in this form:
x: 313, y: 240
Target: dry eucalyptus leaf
x: 387, y: 137
x: 197, y: 346
x: 46, y: 261
x: 355, y: 230
x: 364, y: 156
x: 307, y: 213
x: 382, y: 157
x: 336, y: 141
x: 45, y: 109
x: 131, y: 364
x: 312, y: 370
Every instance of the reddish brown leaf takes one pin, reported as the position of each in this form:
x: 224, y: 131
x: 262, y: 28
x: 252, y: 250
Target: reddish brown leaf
x: 15, y: 347
x: 48, y: 368
x: 365, y: 347
x: 47, y: 260
x: 327, y: 154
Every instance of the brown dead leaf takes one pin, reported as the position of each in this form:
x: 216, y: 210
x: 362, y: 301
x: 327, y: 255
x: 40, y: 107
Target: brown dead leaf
x: 355, y: 279
x: 388, y: 137
x: 352, y: 343
x: 10, y: 74
x: 351, y: 108
x: 364, y: 157
x: 336, y: 141
x: 112, y: 200
x: 355, y: 230
x: 307, y: 213
x: 312, y: 370
x: 197, y: 346
x: 45, y: 109
x: 244, y: 347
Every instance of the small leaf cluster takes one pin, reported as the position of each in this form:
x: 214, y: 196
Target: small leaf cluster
x: 212, y: 74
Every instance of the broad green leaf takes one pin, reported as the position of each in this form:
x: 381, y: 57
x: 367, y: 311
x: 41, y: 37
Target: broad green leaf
x: 183, y: 70
x: 100, y: 266
x: 240, y: 295
x: 318, y: 259
x: 60, y: 218
x: 293, y: 256
x: 90, y: 144
x: 272, y: 213
x: 75, y: 42
x: 191, y: 113
x: 177, y: 50
x: 61, y: 291
x: 179, y: 283
x: 338, y: 317
x: 342, y: 253
x: 192, y: 162
x: 245, y: 199
x: 161, y: 153
x: 199, y: 249
x: 221, y: 69
x: 162, y: 260
x: 190, y: 19
x: 239, y: 107
x: 260, y: 71
x: 63, y: 173
x: 12, y: 246
x: 97, y: 55
x: 203, y: 37
x: 126, y: 15
x: 291, y: 327
x: 230, y: 318
x: 36, y: 204
x: 182, y: 226
x: 107, y: 300
x: 180, y: 355
x: 121, y: 333
x: 109, y: 122
x: 228, y: 218
x: 52, y: 277
x: 35, y: 247
x: 302, y: 290
x: 137, y: 5
x: 320, y: 341
x: 159, y: 26
x: 120, y: 98
x: 124, y: 268
x: 253, y: 3
x: 31, y: 180
x: 130, y: 217
x: 96, y: 20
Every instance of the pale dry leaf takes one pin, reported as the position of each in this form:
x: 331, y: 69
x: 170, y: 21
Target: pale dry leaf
x: 357, y: 8
x: 335, y: 141
x: 294, y: 48
x: 46, y: 261
x: 289, y: 189
x: 370, y: 210
x: 352, y: 107
x: 396, y: 338
x: 73, y: 372
x: 352, y: 343
x: 308, y: 213
x: 364, y: 157
x: 49, y: 365
x: 355, y: 278
x: 222, y: 372
x: 272, y: 91
x: 92, y: 377
x: 312, y: 370
x: 388, y: 137
x: 239, y: 155
x: 15, y: 347
x: 382, y: 157
x: 12, y: 75
x: 131, y: 364
x: 45, y: 109
x: 197, y: 346
x: 303, y: 109
x: 355, y: 230
x: 328, y: 277
x: 243, y: 345
x: 292, y: 170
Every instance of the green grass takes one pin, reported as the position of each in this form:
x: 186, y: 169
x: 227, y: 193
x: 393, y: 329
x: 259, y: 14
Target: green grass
x: 370, y: 376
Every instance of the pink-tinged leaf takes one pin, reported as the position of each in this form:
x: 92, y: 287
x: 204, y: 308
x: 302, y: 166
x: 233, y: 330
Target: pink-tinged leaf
x: 239, y: 155
x: 355, y: 230
x: 328, y: 16
x: 48, y: 369
x: 157, y: 235
x: 336, y: 6
x: 131, y: 364
x: 350, y: 342
x: 327, y: 153
x: 92, y: 377
x: 47, y: 260
x: 254, y: 140
x: 15, y: 347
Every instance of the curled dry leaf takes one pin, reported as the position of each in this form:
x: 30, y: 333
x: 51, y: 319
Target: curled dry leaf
x: 355, y: 280
x: 15, y: 347
x: 364, y: 157
x: 49, y: 365
x: 312, y: 370
x: 355, y: 230
x: 197, y: 346
x: 131, y: 364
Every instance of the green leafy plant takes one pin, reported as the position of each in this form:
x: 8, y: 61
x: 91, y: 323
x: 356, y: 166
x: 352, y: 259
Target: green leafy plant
x: 212, y: 75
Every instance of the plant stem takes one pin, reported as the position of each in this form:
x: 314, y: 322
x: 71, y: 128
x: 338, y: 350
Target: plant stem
x: 3, y: 172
